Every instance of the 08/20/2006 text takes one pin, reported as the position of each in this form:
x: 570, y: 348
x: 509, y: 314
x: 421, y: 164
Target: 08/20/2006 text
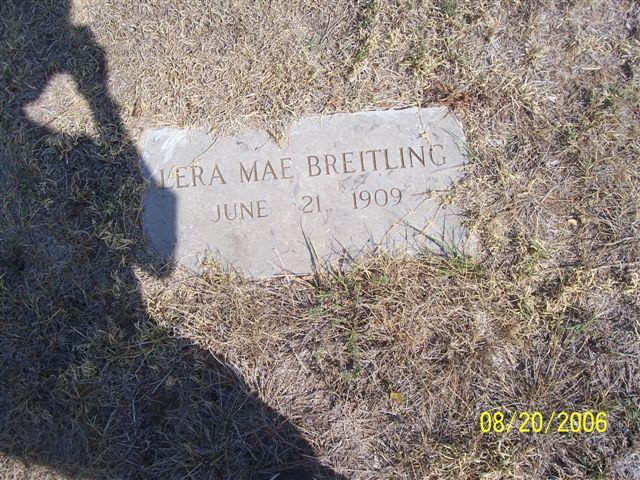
x: 536, y: 422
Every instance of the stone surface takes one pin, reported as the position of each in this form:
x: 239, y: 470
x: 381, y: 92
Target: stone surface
x: 342, y: 185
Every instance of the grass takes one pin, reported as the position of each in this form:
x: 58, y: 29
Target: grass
x: 115, y: 367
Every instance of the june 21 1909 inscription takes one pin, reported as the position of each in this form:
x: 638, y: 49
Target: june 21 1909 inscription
x: 342, y: 185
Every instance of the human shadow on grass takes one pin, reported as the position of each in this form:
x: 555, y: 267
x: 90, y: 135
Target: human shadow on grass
x: 89, y: 384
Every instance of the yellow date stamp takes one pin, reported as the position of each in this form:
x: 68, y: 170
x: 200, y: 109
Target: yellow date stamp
x: 498, y: 421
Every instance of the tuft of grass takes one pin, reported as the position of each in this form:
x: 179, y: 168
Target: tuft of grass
x: 450, y: 7
x: 367, y: 37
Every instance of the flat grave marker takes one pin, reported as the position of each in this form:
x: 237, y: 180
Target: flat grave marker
x: 342, y: 185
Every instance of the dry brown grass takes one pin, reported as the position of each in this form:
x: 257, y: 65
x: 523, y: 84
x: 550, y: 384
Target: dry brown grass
x: 545, y: 317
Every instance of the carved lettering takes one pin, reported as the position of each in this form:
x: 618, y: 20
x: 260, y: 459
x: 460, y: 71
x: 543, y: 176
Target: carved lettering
x: 240, y: 211
x: 373, y: 156
x: 315, y: 165
x: 339, y: 185
x: 402, y: 164
x: 179, y: 176
x: 346, y: 163
x: 339, y: 163
x: 431, y: 155
x: 162, y: 182
x: 194, y: 175
x: 268, y: 170
x: 285, y: 166
x: 255, y: 174
x: 216, y: 174
x: 386, y: 160
x: 261, y: 209
x: 413, y: 153
x: 251, y: 175
x: 331, y: 163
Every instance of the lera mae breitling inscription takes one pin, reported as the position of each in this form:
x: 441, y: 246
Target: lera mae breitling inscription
x: 343, y: 184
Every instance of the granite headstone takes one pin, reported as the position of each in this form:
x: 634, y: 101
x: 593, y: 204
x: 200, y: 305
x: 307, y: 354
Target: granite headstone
x: 341, y: 185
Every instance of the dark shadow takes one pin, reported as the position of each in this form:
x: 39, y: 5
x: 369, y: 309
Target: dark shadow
x: 89, y: 383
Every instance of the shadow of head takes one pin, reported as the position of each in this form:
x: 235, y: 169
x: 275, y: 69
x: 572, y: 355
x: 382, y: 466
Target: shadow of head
x: 90, y: 384
x: 102, y: 172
